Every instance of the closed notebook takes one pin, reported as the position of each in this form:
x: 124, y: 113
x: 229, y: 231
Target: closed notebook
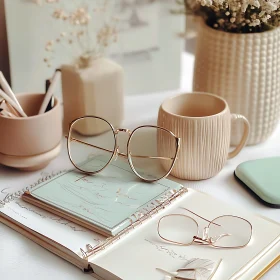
x: 107, y: 202
x: 262, y: 177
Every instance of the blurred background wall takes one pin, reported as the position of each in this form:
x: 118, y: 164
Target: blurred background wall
x: 4, y: 57
x: 150, y: 62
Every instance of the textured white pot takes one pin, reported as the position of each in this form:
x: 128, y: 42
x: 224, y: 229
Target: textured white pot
x: 97, y: 90
x: 245, y: 70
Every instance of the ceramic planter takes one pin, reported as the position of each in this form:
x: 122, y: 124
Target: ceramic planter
x: 96, y: 90
x: 244, y: 69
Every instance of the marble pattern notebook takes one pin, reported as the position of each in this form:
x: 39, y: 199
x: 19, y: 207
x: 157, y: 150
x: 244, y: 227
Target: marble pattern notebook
x: 107, y: 202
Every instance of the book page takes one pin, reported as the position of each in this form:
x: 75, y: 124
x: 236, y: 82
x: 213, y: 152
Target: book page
x: 137, y: 255
x: 68, y: 234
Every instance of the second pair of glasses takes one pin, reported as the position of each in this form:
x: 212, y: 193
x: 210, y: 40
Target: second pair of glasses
x: 93, y: 143
x: 227, y: 231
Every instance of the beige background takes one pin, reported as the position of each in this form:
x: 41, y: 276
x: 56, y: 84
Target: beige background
x: 4, y: 59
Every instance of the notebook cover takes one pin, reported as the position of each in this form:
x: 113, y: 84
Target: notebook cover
x: 107, y: 202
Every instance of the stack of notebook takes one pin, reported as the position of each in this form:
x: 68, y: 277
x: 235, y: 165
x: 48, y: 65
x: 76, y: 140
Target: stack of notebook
x: 107, y: 226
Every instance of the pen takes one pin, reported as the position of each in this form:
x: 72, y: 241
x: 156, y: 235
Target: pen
x: 51, y: 103
x: 7, y: 114
x: 7, y: 107
x: 10, y: 93
x: 49, y: 93
x: 12, y: 102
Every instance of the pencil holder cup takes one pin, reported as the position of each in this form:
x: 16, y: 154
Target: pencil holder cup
x: 30, y: 143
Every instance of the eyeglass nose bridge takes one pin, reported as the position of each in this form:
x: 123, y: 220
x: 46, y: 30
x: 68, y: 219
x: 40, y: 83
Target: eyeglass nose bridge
x: 123, y: 130
x: 205, y: 240
x: 200, y: 241
x: 117, y: 152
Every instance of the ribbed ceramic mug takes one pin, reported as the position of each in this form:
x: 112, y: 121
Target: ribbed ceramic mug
x: 203, y: 122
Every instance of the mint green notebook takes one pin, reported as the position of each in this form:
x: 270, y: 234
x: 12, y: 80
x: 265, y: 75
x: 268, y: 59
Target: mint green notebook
x: 107, y: 202
x: 262, y: 177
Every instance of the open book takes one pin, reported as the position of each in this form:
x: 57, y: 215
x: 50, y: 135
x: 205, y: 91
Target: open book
x: 137, y: 251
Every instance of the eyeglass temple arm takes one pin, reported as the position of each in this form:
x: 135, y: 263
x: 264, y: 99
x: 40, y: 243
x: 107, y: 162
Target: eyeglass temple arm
x: 120, y: 154
x: 200, y: 217
x: 85, y: 143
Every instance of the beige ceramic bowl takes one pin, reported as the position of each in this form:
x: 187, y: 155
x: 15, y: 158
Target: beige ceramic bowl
x: 31, y: 143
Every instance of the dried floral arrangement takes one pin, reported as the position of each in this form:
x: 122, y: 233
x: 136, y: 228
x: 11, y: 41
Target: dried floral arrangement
x: 84, y: 31
x: 238, y: 16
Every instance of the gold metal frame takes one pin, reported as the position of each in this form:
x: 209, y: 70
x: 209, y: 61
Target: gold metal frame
x: 116, y: 152
x: 206, y: 239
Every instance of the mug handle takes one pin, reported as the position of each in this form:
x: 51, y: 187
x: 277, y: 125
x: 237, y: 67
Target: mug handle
x: 239, y: 147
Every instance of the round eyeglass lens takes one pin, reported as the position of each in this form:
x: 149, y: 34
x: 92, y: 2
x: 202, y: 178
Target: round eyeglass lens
x: 91, y: 144
x: 148, y: 158
x: 230, y: 232
x: 178, y: 229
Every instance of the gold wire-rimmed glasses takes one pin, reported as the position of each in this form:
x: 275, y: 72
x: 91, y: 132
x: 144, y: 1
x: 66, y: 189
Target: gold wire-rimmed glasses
x: 227, y: 231
x: 92, y: 144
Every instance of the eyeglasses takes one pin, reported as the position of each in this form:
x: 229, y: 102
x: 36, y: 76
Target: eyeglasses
x: 92, y: 144
x: 223, y: 232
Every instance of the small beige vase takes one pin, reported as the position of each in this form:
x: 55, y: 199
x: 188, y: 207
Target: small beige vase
x: 244, y: 69
x: 94, y: 88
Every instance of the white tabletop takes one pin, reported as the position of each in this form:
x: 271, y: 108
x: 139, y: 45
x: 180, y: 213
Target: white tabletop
x: 22, y: 259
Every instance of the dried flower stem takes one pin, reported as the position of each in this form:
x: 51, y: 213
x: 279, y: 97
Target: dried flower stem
x: 79, y: 35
